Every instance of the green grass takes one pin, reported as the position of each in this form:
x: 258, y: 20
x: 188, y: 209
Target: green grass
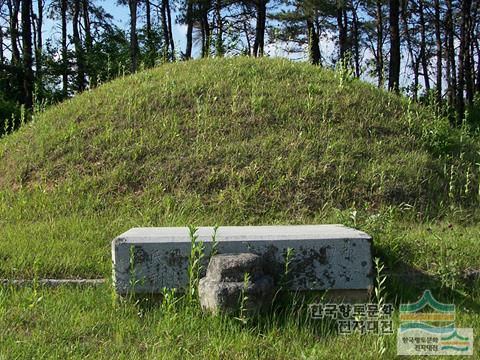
x: 79, y: 323
x: 228, y: 142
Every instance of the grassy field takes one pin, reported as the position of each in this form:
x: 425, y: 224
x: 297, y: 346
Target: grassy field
x: 71, y: 323
x: 228, y: 142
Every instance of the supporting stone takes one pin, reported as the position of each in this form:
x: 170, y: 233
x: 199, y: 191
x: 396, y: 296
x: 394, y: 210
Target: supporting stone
x: 325, y: 257
x: 232, y: 278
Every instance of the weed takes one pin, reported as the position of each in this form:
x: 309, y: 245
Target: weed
x: 194, y: 265
x: 285, y: 279
x: 451, y: 183
x: 23, y: 115
x: 169, y: 300
x: 243, y: 311
x: 133, y: 279
x: 35, y: 296
x: 344, y: 71
x: 467, y: 181
x: 447, y: 269
x: 380, y: 297
x: 214, y: 250
x: 3, y: 300
x: 132, y: 270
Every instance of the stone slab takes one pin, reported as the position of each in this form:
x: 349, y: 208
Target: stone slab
x: 326, y: 257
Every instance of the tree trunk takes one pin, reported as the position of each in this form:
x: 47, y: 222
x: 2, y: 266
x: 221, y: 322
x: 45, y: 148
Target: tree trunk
x: 247, y: 38
x: 219, y: 40
x: 150, y: 41
x: 246, y: 30
x: 90, y: 68
x: 313, y: 43
x: 78, y: 47
x: 464, y: 65
x: 13, y: 11
x: 38, y: 47
x: 438, y: 41
x: 342, y: 31
x: 205, y: 31
x: 133, y: 36
x: 379, y: 25
x: 259, y: 44
x: 63, y: 10
x: 451, y: 67
x: 394, y: 68
x: 170, y: 30
x: 86, y: 24
x: 33, y: 20
x: 474, y: 25
x: 423, y: 47
x: 2, y: 58
x: 27, y: 53
x: 165, y: 31
x: 469, y: 86
x: 356, y: 45
x: 414, y: 60
x: 148, y: 19
x: 318, y: 31
x: 416, y: 76
x: 477, y: 85
x: 188, y: 49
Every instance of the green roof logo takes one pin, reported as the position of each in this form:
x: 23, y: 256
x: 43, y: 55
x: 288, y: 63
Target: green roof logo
x: 427, y: 299
x: 440, y: 319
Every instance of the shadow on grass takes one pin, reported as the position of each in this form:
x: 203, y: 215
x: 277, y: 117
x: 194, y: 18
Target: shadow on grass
x: 406, y: 283
x: 287, y: 311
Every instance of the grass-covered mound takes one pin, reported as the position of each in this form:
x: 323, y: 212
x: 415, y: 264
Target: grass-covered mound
x: 230, y: 141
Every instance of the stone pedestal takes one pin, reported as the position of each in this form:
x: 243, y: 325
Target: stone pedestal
x: 325, y: 257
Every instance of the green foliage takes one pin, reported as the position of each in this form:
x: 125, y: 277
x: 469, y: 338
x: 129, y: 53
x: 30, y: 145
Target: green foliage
x: 214, y: 249
x: 110, y: 56
x: 34, y: 298
x: 195, y: 265
x: 285, y: 278
x: 170, y: 300
x: 243, y: 316
x: 448, y: 265
x: 344, y: 71
x: 473, y: 113
x: 380, y: 297
x: 9, y: 116
x: 380, y: 278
